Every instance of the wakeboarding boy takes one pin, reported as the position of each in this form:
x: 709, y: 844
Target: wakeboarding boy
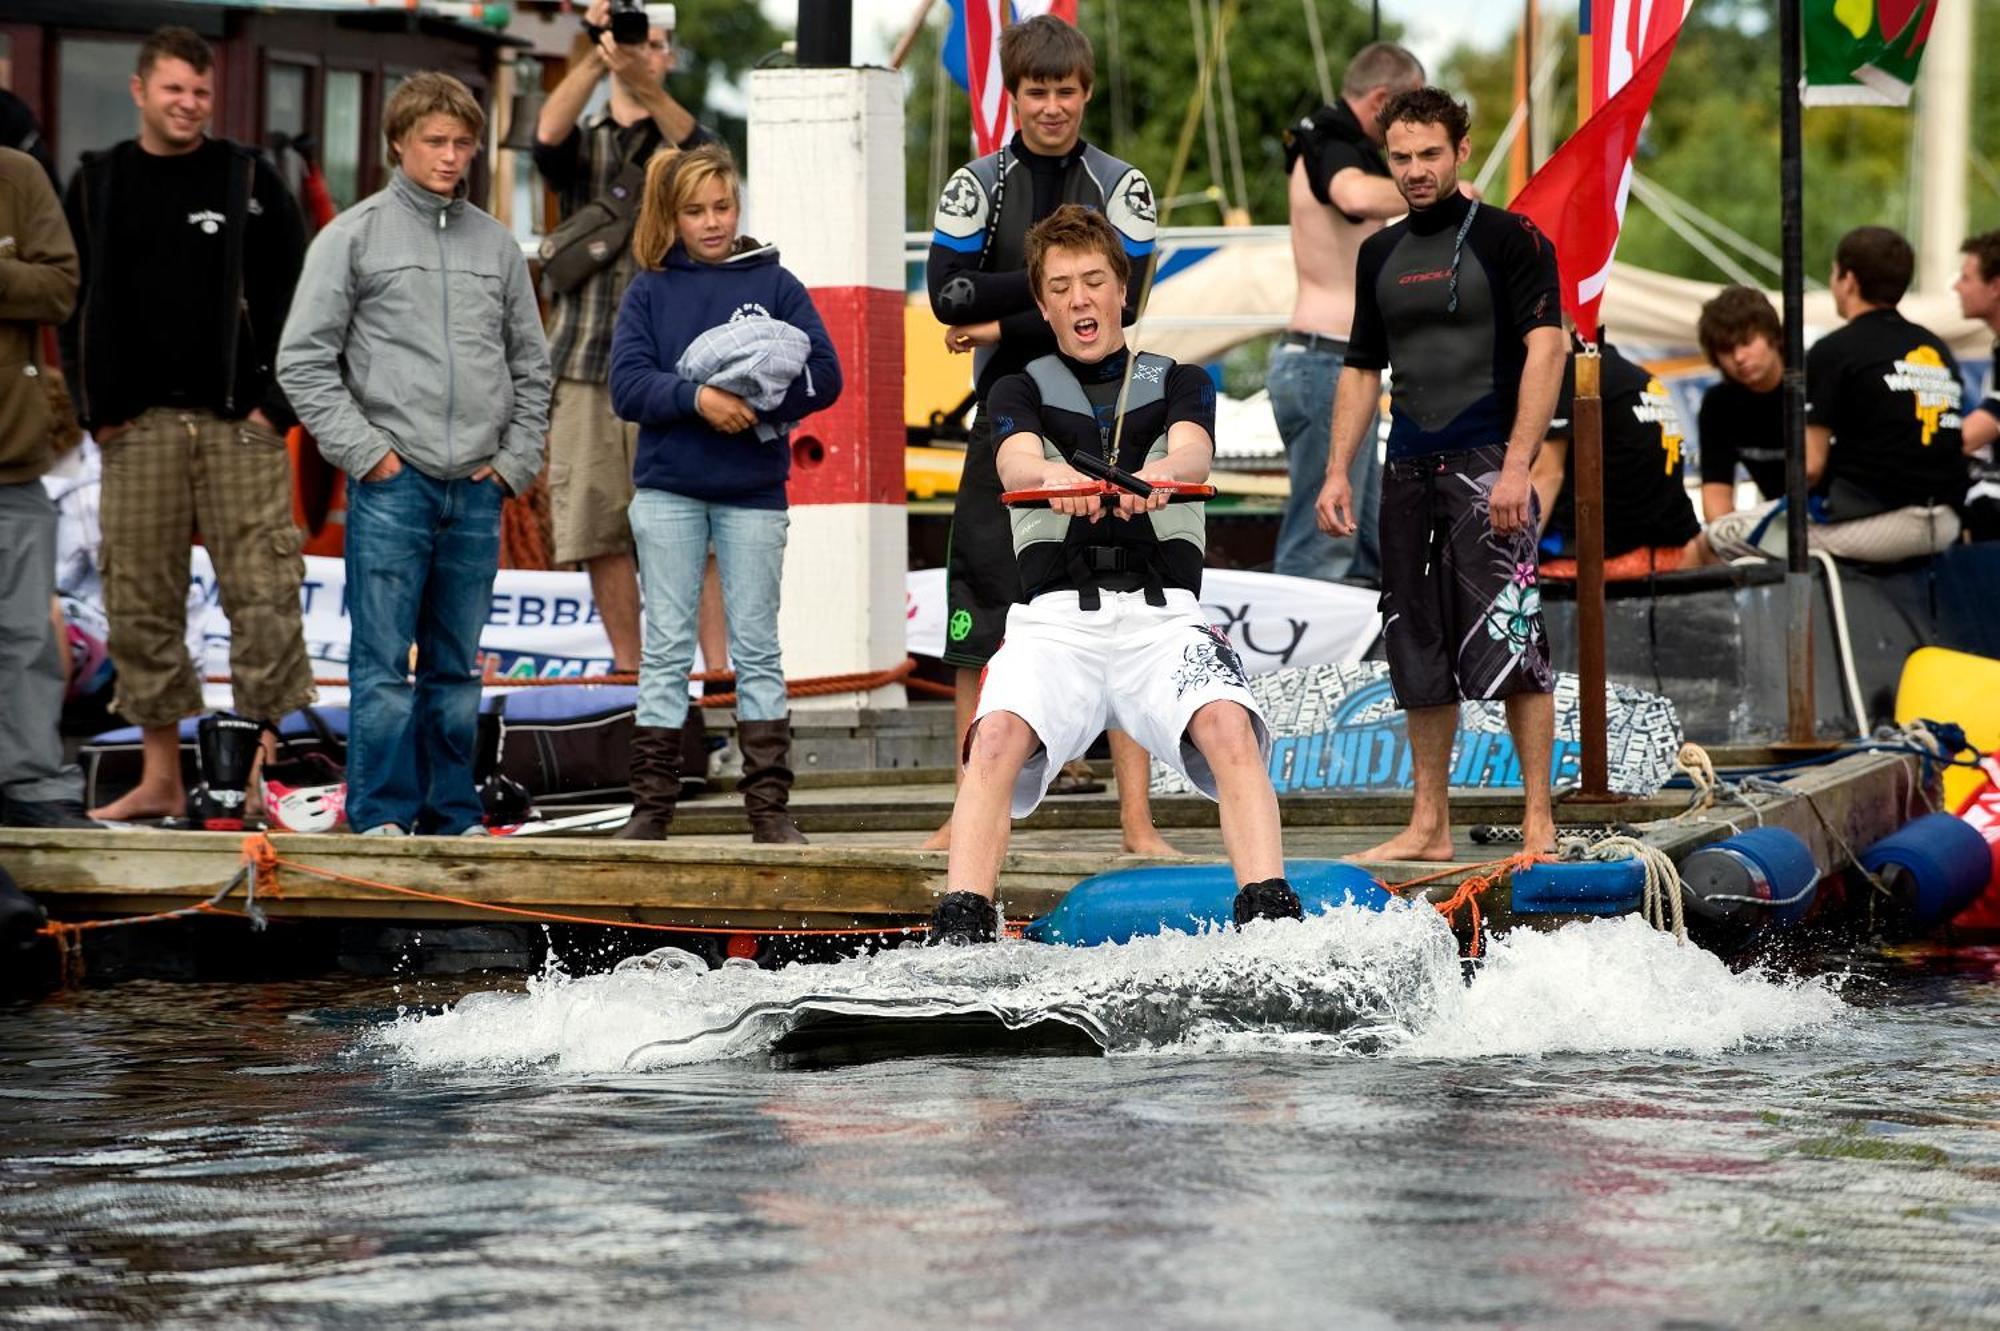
x: 1109, y: 631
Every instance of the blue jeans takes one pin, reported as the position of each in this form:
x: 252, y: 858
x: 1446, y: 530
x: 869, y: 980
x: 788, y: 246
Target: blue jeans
x: 421, y: 555
x: 1301, y: 382
x: 671, y: 534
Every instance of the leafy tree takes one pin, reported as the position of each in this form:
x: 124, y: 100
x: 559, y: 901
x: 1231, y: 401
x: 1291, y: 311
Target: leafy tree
x: 720, y: 43
x: 1712, y: 139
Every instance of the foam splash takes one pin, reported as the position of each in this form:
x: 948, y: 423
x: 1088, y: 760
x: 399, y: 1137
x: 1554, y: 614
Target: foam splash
x: 1346, y: 983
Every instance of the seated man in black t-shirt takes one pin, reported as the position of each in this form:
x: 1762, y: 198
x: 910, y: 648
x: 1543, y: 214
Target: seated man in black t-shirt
x: 1109, y: 631
x: 1882, y: 424
x: 1742, y: 418
x: 1648, y: 521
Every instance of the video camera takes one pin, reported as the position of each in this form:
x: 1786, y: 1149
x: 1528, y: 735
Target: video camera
x: 632, y: 21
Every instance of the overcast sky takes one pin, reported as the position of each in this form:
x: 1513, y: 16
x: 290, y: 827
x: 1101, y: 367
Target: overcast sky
x: 1431, y: 27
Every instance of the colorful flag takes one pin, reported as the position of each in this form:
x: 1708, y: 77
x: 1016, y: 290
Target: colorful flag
x: 1578, y: 196
x: 1864, y: 52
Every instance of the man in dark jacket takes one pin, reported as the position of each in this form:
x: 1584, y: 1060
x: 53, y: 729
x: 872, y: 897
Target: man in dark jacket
x: 190, y: 248
x: 37, y: 286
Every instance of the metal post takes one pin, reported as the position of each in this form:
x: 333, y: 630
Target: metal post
x: 1799, y: 727
x: 826, y: 34
x: 1587, y: 442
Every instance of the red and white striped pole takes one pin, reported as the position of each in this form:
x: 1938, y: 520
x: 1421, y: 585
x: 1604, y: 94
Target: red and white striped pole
x: 826, y: 187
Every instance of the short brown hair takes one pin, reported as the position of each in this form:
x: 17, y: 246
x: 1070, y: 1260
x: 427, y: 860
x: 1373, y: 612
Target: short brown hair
x: 1732, y: 317
x: 429, y: 93
x: 1045, y: 47
x: 1381, y: 65
x: 672, y: 177
x: 1879, y: 260
x: 174, y: 44
x: 1075, y: 227
x: 1984, y: 247
x: 1427, y: 106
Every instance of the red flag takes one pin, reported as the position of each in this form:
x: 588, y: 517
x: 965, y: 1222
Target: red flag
x: 1578, y: 196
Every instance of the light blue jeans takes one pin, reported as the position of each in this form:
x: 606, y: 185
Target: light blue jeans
x: 1301, y: 381
x: 671, y: 534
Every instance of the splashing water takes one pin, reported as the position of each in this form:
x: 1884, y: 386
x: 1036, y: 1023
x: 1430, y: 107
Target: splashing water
x: 1349, y: 982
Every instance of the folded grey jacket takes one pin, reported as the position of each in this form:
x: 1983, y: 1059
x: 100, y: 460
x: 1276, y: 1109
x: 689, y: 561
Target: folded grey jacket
x: 755, y: 357
x: 414, y: 328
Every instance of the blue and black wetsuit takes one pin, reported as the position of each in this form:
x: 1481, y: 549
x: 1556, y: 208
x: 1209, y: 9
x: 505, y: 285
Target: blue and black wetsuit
x: 1447, y: 297
x: 977, y: 271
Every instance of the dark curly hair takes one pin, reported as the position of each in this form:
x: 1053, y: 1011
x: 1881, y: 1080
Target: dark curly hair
x: 1427, y: 106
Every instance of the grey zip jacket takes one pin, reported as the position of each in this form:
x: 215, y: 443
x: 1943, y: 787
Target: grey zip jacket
x: 414, y: 329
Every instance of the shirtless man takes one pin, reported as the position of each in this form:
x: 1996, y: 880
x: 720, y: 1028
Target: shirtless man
x: 1341, y: 193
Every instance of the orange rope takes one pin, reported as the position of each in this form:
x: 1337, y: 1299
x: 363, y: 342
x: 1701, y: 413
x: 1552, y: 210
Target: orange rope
x: 1479, y: 880
x: 811, y: 687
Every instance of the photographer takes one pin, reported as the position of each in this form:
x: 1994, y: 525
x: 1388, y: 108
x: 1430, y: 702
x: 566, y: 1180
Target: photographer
x: 598, y: 166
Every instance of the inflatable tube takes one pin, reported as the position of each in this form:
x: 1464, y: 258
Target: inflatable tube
x: 1124, y: 904
x: 1587, y: 887
x: 1934, y: 867
x: 1753, y: 883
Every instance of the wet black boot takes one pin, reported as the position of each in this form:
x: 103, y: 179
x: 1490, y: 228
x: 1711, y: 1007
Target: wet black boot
x: 1272, y: 899
x: 225, y: 751
x: 963, y: 918
x: 656, y: 783
x: 766, y: 782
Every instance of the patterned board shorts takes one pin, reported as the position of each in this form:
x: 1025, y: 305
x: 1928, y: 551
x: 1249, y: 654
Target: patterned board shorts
x: 1461, y: 604
x: 1143, y: 669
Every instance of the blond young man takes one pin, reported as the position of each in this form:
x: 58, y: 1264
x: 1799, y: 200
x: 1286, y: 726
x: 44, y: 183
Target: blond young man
x: 415, y: 355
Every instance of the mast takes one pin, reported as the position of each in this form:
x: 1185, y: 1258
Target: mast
x: 1799, y: 727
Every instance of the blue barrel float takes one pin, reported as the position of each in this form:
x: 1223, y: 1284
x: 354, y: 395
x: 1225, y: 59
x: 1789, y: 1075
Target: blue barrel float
x: 1124, y: 904
x: 1933, y: 867
x: 1749, y: 885
x: 1580, y: 887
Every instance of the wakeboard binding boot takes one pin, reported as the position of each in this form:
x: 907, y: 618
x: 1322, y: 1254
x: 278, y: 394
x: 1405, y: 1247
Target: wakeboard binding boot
x: 1270, y: 899
x: 503, y: 801
x: 963, y: 918
x: 225, y: 747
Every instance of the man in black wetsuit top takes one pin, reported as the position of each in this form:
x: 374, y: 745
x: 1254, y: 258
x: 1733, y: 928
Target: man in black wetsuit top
x: 979, y: 290
x: 1463, y: 299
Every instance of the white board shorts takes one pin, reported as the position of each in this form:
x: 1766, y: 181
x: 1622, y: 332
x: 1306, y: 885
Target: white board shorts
x: 1130, y: 666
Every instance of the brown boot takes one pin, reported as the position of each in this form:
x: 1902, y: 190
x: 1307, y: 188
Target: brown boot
x: 766, y: 782
x: 694, y: 753
x: 656, y: 783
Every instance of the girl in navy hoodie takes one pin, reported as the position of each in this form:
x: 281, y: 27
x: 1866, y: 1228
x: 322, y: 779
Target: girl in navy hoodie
x: 708, y: 306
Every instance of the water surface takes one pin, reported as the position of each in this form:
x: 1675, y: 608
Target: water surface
x: 1321, y: 1127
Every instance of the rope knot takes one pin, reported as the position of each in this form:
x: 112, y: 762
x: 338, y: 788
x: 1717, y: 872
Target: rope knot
x: 262, y: 857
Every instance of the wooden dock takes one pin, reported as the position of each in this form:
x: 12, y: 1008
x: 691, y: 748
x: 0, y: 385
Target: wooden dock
x: 863, y: 870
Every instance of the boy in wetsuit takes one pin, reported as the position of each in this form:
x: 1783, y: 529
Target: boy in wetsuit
x: 1463, y: 297
x: 1111, y: 631
x: 980, y: 291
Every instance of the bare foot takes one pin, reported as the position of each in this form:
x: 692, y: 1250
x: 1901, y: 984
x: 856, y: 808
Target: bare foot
x: 1410, y: 844
x: 1148, y: 841
x: 143, y: 802
x: 1538, y: 838
x: 940, y: 839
